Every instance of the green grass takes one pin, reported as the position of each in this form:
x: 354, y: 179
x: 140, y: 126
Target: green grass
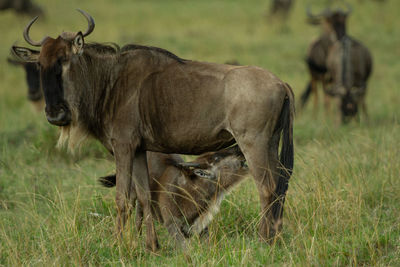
x: 343, y: 201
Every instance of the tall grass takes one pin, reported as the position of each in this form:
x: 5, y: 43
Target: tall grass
x: 342, y: 206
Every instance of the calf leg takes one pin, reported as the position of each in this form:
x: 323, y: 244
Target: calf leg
x: 141, y: 180
x: 174, y: 226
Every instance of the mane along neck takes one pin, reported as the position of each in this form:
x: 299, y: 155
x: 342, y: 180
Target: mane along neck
x: 89, y: 83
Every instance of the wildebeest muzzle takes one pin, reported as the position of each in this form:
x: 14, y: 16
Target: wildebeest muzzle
x: 59, y: 115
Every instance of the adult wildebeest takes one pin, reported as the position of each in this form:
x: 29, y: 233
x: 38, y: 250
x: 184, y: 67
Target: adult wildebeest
x: 21, y: 6
x: 342, y: 64
x: 280, y: 7
x: 140, y: 99
x: 186, y: 196
x: 32, y: 78
x: 349, y: 66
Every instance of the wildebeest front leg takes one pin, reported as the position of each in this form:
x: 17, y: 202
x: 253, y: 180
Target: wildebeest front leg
x: 141, y: 180
x: 123, y: 157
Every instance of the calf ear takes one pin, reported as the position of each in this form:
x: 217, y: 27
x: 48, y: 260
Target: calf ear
x: 25, y: 54
x: 204, y: 174
x: 77, y: 45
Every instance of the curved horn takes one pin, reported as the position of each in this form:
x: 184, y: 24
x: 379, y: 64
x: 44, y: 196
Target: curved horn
x: 90, y: 21
x: 26, y: 34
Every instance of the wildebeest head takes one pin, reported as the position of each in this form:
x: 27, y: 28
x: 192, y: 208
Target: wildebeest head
x: 348, y: 107
x: 54, y: 58
x: 32, y: 78
x: 333, y: 21
x: 280, y: 6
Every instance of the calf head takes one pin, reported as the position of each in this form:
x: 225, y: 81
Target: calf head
x: 54, y: 59
x: 225, y: 167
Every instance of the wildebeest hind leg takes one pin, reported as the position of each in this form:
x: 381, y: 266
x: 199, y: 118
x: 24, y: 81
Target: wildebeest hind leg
x: 262, y: 161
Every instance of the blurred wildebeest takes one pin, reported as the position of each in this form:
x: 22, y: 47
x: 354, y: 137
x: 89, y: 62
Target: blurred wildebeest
x: 349, y: 66
x: 186, y: 196
x: 317, y: 56
x: 280, y: 7
x: 32, y: 78
x: 21, y: 6
x: 141, y: 98
x: 342, y: 64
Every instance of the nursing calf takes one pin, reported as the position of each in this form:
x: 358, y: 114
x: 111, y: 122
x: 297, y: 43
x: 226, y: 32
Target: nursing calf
x: 186, y: 196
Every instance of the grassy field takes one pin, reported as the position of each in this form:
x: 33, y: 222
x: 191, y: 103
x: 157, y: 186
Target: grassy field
x: 343, y: 201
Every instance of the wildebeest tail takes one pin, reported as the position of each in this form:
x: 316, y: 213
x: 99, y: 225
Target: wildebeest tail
x: 285, y: 127
x: 108, y: 181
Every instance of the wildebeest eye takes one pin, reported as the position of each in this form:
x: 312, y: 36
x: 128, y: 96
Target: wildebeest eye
x: 204, y: 173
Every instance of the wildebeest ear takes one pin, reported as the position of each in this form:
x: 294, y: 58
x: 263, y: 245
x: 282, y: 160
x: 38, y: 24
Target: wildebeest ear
x: 77, y: 46
x: 204, y: 173
x: 25, y: 54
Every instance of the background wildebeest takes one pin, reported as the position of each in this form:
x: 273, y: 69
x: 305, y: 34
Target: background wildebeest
x: 186, y: 196
x: 280, y: 7
x: 21, y: 6
x: 349, y: 67
x: 142, y: 99
x: 32, y: 78
x: 342, y: 64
